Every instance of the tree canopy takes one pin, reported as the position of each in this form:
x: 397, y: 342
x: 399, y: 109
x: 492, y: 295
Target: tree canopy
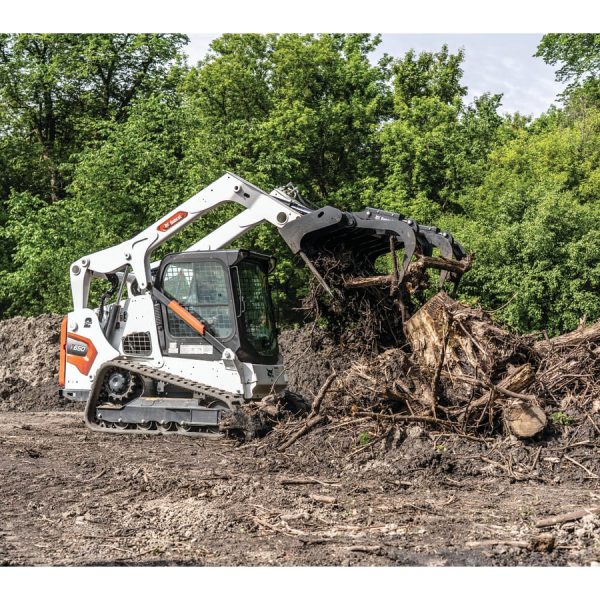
x: 102, y: 134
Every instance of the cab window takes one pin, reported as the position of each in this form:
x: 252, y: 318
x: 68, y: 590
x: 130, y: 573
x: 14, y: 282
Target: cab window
x: 201, y: 288
x: 257, y: 310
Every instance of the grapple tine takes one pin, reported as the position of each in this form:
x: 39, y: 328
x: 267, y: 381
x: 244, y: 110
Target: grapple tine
x: 445, y: 244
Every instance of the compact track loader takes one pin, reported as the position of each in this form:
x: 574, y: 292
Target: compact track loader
x: 190, y: 339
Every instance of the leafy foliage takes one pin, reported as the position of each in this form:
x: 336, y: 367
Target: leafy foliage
x: 101, y: 135
x: 435, y: 146
x: 533, y: 223
x: 577, y: 53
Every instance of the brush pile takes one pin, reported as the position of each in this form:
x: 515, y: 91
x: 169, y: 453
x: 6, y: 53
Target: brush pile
x: 366, y: 312
x: 448, y: 367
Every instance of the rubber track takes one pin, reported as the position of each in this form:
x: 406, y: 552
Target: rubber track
x: 156, y: 374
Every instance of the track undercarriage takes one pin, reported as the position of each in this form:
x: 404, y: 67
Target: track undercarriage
x: 129, y: 397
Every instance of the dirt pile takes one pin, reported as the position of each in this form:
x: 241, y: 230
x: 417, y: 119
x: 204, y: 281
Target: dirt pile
x: 310, y: 356
x: 29, y: 349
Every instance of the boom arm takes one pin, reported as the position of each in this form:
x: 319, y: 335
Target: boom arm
x: 135, y: 252
x: 308, y: 233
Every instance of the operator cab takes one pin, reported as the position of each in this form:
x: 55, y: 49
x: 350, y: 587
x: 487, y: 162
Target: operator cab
x: 228, y: 291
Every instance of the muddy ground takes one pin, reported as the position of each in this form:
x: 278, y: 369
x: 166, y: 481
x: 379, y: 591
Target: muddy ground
x: 355, y: 491
x: 73, y: 497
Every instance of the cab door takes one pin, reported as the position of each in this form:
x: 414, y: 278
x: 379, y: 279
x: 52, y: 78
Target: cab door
x: 202, y: 287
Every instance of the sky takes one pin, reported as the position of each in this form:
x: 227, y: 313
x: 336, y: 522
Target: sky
x: 496, y: 63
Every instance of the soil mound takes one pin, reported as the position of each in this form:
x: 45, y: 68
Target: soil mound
x: 310, y: 355
x: 29, y: 355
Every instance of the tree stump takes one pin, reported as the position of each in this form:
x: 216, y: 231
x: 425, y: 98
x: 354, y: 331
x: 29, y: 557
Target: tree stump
x: 477, y: 369
x: 474, y: 344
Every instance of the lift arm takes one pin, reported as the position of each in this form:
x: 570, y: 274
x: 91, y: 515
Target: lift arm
x: 307, y: 232
x: 135, y: 253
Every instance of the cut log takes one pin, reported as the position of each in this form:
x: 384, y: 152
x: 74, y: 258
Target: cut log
x: 524, y: 419
x: 323, y: 499
x: 518, y: 379
x: 425, y: 330
x: 443, y: 264
x: 422, y: 262
x: 522, y: 415
x: 365, y: 549
x: 359, y: 282
x: 571, y: 339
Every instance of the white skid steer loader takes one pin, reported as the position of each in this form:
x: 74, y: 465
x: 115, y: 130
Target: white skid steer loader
x: 190, y: 339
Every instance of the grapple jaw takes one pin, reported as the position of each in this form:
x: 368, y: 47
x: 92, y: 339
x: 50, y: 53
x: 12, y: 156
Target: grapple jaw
x: 368, y: 235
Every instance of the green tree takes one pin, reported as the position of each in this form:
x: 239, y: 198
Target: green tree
x: 533, y: 225
x: 300, y: 108
x: 59, y: 96
x: 578, y: 55
x: 56, y: 87
x: 577, y: 58
x: 434, y: 146
x: 118, y: 189
x: 328, y: 103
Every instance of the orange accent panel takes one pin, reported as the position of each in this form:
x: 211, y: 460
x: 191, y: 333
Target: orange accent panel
x: 83, y: 363
x: 62, y: 363
x: 186, y: 316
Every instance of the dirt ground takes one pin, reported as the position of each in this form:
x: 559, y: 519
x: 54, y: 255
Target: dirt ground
x: 353, y: 491
x: 73, y: 497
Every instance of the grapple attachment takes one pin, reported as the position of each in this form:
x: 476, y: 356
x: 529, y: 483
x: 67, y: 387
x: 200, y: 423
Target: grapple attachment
x: 370, y: 234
